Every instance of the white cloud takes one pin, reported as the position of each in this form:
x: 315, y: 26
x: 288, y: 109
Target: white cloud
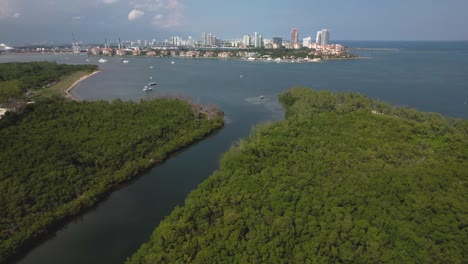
x: 165, y: 13
x: 150, y: 5
x: 135, y: 14
x: 76, y: 20
x: 109, y: 1
x: 6, y: 9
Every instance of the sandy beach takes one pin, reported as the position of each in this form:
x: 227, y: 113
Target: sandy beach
x: 67, y: 92
x: 2, y: 111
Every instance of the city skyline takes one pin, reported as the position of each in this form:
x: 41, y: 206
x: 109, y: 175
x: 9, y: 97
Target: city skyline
x: 26, y: 21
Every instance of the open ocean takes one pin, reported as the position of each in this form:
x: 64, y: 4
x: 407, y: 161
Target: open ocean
x: 428, y: 76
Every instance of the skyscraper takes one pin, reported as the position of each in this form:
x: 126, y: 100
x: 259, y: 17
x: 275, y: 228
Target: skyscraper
x: 246, y: 40
x: 325, y: 37
x: 294, y: 36
x: 318, y: 39
x: 277, y: 42
x: 306, y: 42
x: 258, y: 41
x: 203, y: 39
x: 209, y: 39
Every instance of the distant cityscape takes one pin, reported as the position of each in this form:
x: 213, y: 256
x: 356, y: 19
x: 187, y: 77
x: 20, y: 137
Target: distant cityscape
x: 209, y: 45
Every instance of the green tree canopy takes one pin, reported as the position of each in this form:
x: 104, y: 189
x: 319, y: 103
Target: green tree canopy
x: 59, y: 157
x: 344, y: 179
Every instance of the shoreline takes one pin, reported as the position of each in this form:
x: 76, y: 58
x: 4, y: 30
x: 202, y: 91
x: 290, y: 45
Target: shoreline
x: 68, y: 90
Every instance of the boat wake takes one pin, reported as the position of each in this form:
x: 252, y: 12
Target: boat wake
x: 256, y: 100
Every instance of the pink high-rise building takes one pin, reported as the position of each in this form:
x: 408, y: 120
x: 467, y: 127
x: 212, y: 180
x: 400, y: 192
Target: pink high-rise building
x: 294, y: 36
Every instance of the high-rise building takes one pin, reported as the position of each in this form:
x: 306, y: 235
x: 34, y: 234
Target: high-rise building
x: 294, y: 36
x: 277, y: 42
x: 258, y: 41
x: 203, y: 39
x: 190, y: 42
x: 325, y: 37
x: 318, y: 39
x: 306, y: 42
x: 176, y: 41
x: 209, y: 39
x: 246, y: 40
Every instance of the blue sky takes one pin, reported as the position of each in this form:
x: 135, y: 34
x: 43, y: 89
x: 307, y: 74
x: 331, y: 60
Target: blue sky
x: 27, y: 21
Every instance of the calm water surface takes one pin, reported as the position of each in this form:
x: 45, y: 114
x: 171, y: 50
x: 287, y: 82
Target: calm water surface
x: 430, y: 76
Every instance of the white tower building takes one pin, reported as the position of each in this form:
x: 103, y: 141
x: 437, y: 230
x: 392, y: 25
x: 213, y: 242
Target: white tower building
x: 258, y: 40
x: 318, y: 39
x: 246, y: 40
x: 325, y: 37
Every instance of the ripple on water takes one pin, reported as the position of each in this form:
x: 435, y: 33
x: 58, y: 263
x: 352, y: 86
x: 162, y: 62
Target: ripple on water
x: 256, y: 100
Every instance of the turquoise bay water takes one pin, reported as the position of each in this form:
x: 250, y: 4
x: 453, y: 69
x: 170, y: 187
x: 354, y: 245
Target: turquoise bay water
x: 430, y: 76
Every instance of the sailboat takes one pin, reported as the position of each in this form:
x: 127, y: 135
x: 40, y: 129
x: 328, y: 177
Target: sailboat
x: 147, y: 88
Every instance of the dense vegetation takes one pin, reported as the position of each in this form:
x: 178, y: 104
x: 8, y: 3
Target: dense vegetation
x: 58, y: 157
x: 286, y: 53
x: 16, y: 78
x: 344, y: 179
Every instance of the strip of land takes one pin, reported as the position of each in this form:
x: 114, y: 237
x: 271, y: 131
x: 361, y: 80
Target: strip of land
x: 25, y: 82
x: 66, y: 84
x: 68, y: 91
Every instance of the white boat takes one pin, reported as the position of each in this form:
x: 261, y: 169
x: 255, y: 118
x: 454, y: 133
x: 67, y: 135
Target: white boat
x: 147, y: 88
x: 172, y: 62
x: 261, y: 97
x: 151, y: 77
x: 242, y: 76
x: 152, y: 83
x: 151, y: 67
x: 125, y: 61
x: 101, y: 60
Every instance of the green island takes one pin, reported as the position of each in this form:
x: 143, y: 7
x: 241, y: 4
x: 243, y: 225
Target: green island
x: 343, y: 179
x: 59, y: 157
